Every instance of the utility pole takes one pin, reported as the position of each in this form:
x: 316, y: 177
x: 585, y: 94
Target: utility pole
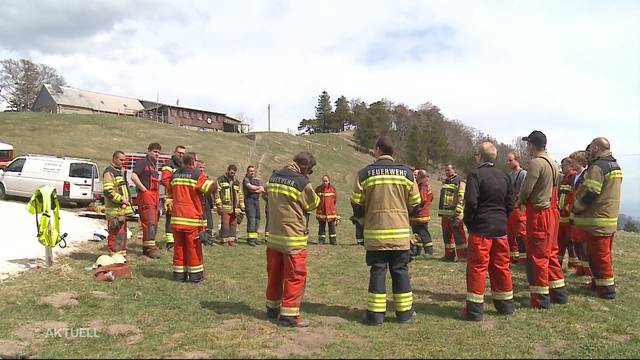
x: 269, y: 118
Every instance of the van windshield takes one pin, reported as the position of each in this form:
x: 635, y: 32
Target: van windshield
x: 81, y: 170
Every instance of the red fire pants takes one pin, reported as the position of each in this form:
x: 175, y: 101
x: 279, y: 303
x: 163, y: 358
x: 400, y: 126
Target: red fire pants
x: 187, y: 255
x: 580, y: 239
x: 565, y: 245
x: 546, y: 280
x: 148, y: 210
x: 455, y: 240
x: 286, y: 277
x: 599, y: 248
x: 490, y: 253
x: 517, y: 232
x: 228, y: 228
x: 117, y: 238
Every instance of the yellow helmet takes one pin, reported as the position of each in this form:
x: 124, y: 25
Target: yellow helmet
x: 118, y: 258
x: 103, y: 260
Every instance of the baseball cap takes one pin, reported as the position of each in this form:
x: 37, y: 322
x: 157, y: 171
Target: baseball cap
x: 537, y: 138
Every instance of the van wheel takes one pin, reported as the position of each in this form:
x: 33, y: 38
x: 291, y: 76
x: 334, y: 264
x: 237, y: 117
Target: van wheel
x: 82, y: 204
x: 3, y: 193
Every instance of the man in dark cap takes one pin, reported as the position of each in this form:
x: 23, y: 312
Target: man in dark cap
x: 539, y: 194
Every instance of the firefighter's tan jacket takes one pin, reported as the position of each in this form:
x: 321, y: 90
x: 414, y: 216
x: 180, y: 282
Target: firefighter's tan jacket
x: 290, y: 199
x: 597, y: 203
x: 228, y: 197
x: 384, y: 194
x: 452, y: 197
x: 115, y: 190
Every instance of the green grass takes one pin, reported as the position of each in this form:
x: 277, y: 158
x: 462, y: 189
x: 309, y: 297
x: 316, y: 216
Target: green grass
x: 223, y: 317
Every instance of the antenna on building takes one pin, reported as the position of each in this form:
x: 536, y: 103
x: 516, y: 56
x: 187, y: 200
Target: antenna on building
x: 269, y: 118
x: 178, y: 102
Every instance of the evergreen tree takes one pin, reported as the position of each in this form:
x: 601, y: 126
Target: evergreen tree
x: 342, y: 116
x: 630, y: 226
x: 324, y: 112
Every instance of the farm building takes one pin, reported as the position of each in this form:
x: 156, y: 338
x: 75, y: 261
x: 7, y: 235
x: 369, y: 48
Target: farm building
x: 189, y: 117
x: 68, y: 100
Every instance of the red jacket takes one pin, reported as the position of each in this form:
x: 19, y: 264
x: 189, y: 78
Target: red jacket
x: 326, y: 211
x: 426, y: 196
x: 566, y: 195
x: 187, y: 189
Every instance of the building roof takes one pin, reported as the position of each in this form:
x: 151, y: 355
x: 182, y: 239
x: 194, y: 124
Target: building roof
x: 66, y: 95
x: 150, y: 105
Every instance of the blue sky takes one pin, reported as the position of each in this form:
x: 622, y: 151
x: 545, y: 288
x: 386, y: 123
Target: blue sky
x: 568, y: 68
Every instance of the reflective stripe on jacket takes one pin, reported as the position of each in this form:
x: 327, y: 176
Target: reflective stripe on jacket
x: 228, y: 196
x: 187, y: 189
x: 290, y: 199
x: 115, y: 189
x: 326, y: 211
x: 452, y: 196
x: 384, y: 194
x: 597, y: 203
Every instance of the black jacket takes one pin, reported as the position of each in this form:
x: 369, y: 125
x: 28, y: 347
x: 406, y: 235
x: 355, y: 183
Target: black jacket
x: 487, y: 201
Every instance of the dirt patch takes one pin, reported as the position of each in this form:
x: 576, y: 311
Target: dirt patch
x: 598, y: 307
x: 303, y: 341
x: 11, y: 349
x: 36, y: 332
x: 102, y: 295
x: 177, y: 336
x: 61, y: 299
x: 225, y: 325
x: 96, y: 324
x: 545, y: 351
x: 134, y: 332
x: 620, y: 338
x: 191, y: 355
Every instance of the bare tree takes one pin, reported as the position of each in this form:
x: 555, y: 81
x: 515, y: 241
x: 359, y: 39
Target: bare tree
x: 246, y: 120
x: 520, y: 148
x: 20, y: 81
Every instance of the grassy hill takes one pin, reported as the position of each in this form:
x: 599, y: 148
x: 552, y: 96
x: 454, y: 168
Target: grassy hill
x: 147, y: 315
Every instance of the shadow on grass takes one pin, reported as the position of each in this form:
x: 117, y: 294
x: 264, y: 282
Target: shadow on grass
x: 347, y: 313
x: 233, y: 308
x: 83, y: 256
x: 157, y: 273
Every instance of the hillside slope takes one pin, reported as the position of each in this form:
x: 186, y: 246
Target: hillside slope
x: 97, y: 136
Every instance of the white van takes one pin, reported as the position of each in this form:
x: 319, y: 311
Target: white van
x: 74, y: 179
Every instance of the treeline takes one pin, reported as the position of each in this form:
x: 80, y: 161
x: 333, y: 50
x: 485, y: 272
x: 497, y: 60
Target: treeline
x: 424, y: 137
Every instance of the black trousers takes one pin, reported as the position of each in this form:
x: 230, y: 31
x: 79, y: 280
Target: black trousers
x: 322, y: 231
x: 423, y: 232
x: 397, y: 261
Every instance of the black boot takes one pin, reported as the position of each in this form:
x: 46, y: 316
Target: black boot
x: 292, y: 321
x: 273, y: 313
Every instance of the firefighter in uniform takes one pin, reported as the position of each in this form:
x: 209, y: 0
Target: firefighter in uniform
x: 488, y: 199
x: 291, y: 197
x: 326, y: 212
x: 450, y: 209
x: 229, y: 203
x: 252, y: 189
x: 539, y: 195
x: 420, y: 221
x: 596, y: 210
x: 517, y: 221
x: 385, y: 195
x: 117, y: 205
x: 206, y: 237
x: 146, y: 177
x: 185, y: 197
x: 579, y: 235
x: 166, y: 171
x: 566, y: 195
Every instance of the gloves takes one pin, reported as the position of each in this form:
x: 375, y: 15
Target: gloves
x: 239, y: 218
x: 205, y: 237
x: 168, y: 204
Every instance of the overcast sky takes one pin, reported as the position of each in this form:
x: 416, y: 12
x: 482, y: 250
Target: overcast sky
x: 568, y: 68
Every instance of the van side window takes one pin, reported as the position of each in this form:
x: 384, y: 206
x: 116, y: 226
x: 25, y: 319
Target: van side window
x: 81, y: 170
x: 16, y: 166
